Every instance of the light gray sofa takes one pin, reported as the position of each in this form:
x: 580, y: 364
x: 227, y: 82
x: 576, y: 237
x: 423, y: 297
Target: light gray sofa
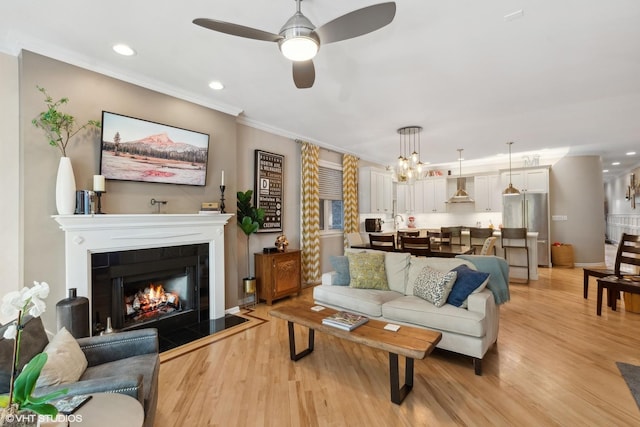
x: 470, y: 331
x: 124, y: 362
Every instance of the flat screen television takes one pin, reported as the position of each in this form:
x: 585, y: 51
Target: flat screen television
x: 140, y: 150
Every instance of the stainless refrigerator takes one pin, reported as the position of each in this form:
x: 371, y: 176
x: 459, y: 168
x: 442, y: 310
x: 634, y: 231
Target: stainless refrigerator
x: 530, y: 210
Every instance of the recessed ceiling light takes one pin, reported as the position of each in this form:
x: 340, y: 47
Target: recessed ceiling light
x: 123, y: 49
x: 615, y: 163
x: 631, y: 153
x: 605, y: 170
x: 216, y: 85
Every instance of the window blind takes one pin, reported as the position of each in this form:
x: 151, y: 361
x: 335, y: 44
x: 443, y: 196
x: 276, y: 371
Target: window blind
x: 330, y: 181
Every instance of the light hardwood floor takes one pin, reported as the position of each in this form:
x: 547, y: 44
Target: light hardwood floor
x: 553, y: 365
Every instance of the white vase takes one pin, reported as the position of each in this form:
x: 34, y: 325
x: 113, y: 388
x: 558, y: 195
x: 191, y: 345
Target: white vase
x: 65, y: 188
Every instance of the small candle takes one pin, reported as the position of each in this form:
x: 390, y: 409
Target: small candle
x: 98, y: 182
x: 222, y: 182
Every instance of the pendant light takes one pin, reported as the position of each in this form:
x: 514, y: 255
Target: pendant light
x: 461, y: 195
x: 510, y: 189
x: 410, y: 167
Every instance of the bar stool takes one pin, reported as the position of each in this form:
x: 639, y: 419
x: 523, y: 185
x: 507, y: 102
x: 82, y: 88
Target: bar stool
x: 383, y: 242
x: 506, y: 239
x: 454, y: 232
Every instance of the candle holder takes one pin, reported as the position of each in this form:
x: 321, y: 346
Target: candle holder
x: 222, y: 187
x: 99, y: 201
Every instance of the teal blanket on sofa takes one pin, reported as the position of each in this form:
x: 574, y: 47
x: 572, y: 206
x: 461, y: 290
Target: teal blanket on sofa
x: 498, y: 270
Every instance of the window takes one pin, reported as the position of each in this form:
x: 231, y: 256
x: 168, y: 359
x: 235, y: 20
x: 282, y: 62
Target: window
x: 331, y: 213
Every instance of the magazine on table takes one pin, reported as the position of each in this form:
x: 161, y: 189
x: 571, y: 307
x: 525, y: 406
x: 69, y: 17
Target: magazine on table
x: 68, y: 405
x: 345, y: 320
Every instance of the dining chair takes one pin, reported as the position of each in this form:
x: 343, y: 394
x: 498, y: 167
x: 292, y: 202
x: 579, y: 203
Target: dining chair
x: 382, y: 242
x: 477, y: 237
x: 623, y: 251
x: 418, y: 246
x: 489, y: 246
x: 627, y: 280
x: 508, y: 235
x: 454, y: 233
x: 438, y: 237
x: 402, y: 234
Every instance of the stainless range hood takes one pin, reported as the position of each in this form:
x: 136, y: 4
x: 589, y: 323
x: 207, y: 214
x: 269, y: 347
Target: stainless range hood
x: 461, y: 195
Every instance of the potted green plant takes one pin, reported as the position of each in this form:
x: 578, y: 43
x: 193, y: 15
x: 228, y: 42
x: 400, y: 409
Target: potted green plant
x: 59, y: 128
x: 250, y: 219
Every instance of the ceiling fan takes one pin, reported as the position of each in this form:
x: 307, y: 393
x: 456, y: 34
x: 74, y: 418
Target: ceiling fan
x: 299, y: 40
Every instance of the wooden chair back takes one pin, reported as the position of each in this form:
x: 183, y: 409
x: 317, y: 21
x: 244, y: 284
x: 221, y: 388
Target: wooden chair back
x: 402, y: 234
x: 419, y: 246
x: 628, y: 253
x: 383, y: 242
x: 514, y: 234
x: 477, y: 237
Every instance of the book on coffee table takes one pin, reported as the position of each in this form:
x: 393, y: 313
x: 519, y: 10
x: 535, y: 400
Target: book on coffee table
x: 345, y: 320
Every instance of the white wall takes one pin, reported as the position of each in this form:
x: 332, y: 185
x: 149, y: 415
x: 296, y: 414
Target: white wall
x: 10, y: 203
x: 621, y: 217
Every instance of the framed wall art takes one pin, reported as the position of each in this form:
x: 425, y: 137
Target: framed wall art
x: 269, y: 187
x: 141, y: 150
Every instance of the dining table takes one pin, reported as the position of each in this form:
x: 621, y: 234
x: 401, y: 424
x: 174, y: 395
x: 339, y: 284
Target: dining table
x: 442, y: 251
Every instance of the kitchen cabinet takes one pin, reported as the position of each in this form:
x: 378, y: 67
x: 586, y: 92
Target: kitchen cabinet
x: 375, y: 191
x: 530, y: 179
x: 278, y: 274
x: 431, y: 195
x: 488, y: 193
x: 405, y: 199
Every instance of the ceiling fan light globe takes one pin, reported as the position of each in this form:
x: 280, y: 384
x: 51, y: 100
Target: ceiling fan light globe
x: 299, y: 48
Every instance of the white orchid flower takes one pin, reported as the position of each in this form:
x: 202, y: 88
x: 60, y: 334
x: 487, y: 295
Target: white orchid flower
x: 10, y: 332
x: 11, y: 304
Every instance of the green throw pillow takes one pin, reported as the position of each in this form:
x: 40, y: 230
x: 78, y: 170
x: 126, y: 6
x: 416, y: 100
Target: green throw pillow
x: 367, y: 271
x: 434, y: 286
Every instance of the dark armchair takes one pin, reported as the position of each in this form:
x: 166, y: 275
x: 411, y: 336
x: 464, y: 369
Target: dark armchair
x: 123, y: 362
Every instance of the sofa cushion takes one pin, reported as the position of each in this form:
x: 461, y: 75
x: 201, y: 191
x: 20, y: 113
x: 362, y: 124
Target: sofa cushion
x: 396, y: 265
x: 365, y: 301
x: 367, y: 271
x: 65, y: 362
x: 416, y: 311
x: 341, y: 266
x: 467, y: 282
x: 34, y: 340
x: 416, y: 264
x: 433, y: 285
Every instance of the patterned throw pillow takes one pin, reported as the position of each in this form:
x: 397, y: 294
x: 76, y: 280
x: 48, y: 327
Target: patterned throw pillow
x: 434, y: 286
x: 341, y: 266
x: 367, y: 271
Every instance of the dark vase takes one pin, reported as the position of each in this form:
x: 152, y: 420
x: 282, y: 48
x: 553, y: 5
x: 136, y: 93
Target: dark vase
x: 73, y: 314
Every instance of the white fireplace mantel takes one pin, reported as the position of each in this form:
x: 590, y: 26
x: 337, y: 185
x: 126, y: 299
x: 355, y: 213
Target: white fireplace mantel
x: 88, y: 234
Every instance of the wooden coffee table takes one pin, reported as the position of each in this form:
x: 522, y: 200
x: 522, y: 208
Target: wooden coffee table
x: 412, y: 343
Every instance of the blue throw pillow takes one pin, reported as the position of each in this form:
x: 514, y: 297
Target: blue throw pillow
x: 341, y: 266
x: 467, y: 281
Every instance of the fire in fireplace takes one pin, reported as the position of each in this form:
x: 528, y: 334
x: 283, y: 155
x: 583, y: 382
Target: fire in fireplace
x: 150, y: 302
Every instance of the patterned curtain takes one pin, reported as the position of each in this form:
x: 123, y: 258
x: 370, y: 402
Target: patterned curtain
x: 310, y: 221
x: 350, y: 195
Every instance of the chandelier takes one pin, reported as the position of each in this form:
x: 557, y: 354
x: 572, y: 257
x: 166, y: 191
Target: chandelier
x: 410, y: 166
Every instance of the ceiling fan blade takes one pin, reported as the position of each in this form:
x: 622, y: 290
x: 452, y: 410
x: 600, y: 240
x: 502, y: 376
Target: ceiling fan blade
x: 304, y: 74
x: 236, y: 30
x: 357, y: 23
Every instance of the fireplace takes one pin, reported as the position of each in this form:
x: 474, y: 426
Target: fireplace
x: 96, y: 243
x: 164, y: 288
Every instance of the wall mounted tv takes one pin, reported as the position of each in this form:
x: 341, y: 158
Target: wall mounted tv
x: 141, y: 150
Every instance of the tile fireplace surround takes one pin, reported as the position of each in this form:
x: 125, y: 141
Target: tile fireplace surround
x: 87, y: 234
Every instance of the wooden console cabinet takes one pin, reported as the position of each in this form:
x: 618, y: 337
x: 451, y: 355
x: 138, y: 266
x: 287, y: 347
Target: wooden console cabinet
x: 277, y: 274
